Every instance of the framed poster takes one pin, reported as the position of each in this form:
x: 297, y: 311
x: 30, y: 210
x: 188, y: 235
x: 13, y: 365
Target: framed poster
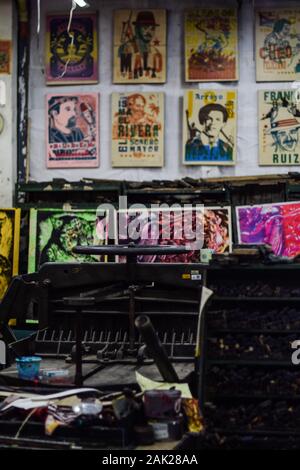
x: 193, y: 228
x: 279, y: 127
x: 72, y: 58
x: 5, y: 56
x: 53, y: 233
x: 9, y: 246
x: 274, y: 224
x: 138, y: 129
x: 72, y: 130
x: 211, y: 45
x: 209, y: 127
x: 277, y: 44
x: 139, y: 46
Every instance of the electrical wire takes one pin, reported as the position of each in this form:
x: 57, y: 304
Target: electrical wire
x: 71, y: 35
x: 24, y: 422
x: 38, y: 28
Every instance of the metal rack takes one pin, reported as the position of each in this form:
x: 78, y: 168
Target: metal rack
x: 249, y: 387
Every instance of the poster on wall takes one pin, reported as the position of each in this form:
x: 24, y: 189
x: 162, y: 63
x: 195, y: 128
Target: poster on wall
x: 53, y: 233
x: 5, y: 56
x: 71, y: 57
x: 274, y: 224
x: 277, y: 45
x: 138, y: 129
x: 9, y: 246
x: 139, y: 46
x: 193, y: 228
x: 279, y: 127
x: 72, y: 130
x: 211, y: 45
x: 209, y: 127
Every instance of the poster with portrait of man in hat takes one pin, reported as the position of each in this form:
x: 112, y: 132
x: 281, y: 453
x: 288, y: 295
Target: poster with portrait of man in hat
x: 279, y: 127
x: 209, y: 127
x: 139, y: 46
x: 72, y: 133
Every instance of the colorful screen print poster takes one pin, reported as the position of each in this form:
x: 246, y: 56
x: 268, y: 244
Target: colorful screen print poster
x: 71, y: 56
x: 211, y: 45
x: 54, y: 233
x: 139, y: 46
x: 279, y: 127
x: 5, y: 56
x: 9, y: 246
x: 276, y: 225
x: 138, y: 129
x: 209, y: 127
x: 194, y: 229
x: 277, y: 45
x: 72, y: 130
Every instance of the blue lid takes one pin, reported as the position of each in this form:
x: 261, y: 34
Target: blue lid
x: 29, y: 359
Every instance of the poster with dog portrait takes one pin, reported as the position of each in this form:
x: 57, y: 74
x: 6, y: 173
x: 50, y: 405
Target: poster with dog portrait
x: 71, y: 56
x: 279, y: 127
x: 138, y: 129
x: 209, y: 127
x: 9, y: 246
x: 72, y: 130
x: 277, y: 44
x: 211, y: 45
x: 53, y: 233
x: 139, y: 46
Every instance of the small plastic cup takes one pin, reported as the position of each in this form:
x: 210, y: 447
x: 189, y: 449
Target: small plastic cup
x: 28, y: 367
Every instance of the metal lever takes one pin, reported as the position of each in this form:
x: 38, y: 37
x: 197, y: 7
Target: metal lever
x: 156, y: 349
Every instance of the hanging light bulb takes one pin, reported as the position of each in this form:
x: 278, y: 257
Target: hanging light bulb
x: 81, y: 3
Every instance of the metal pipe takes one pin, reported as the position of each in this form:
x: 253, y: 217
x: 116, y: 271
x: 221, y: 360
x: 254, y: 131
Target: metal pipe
x: 156, y: 349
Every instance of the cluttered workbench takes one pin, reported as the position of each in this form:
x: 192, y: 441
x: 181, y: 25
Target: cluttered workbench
x: 163, y: 355
x: 109, y: 334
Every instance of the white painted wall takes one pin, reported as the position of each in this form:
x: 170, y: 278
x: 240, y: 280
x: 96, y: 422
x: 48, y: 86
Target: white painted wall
x: 8, y: 137
x: 247, y: 162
